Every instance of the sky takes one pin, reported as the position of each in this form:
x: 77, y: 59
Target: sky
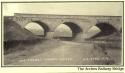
x: 68, y: 8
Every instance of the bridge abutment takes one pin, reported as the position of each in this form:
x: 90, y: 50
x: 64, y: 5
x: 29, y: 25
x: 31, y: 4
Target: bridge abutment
x: 49, y: 35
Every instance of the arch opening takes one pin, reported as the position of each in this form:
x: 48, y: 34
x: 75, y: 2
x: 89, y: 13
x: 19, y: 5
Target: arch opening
x: 67, y: 31
x: 100, y: 30
x: 37, y: 28
x: 63, y: 31
x: 74, y: 27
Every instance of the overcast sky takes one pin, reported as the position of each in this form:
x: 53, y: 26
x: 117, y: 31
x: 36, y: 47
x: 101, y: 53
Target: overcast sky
x: 76, y: 8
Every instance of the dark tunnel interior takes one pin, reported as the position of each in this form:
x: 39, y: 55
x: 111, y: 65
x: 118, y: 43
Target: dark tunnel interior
x: 74, y: 27
x: 106, y: 29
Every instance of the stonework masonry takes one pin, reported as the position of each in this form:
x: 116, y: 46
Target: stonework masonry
x: 53, y: 21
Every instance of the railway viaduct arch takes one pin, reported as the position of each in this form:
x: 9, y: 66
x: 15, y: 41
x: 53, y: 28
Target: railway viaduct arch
x: 78, y: 23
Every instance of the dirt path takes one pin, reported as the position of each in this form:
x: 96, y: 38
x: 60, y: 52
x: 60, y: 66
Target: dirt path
x: 68, y: 53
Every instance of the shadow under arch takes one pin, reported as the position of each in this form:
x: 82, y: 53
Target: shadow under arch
x: 106, y: 29
x: 43, y: 25
x: 75, y: 31
x: 74, y: 27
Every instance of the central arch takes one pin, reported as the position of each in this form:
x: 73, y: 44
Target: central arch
x: 37, y: 28
x: 67, y: 30
x: 74, y: 27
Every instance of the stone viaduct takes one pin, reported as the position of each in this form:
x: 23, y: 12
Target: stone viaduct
x: 78, y: 23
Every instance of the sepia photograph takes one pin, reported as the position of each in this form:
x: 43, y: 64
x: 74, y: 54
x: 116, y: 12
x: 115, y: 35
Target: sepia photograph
x: 62, y: 33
